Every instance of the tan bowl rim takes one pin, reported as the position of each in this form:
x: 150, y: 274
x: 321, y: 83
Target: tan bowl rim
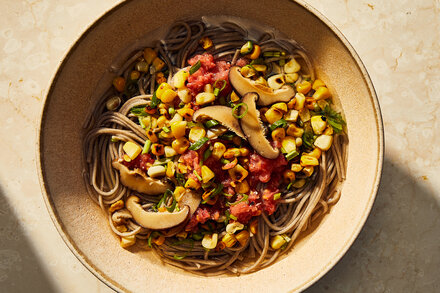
x: 116, y: 286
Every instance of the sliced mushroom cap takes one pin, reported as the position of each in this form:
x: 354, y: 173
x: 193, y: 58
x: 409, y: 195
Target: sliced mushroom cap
x: 155, y: 220
x: 138, y: 181
x: 223, y: 115
x: 267, y: 95
x: 254, y: 130
x: 191, y: 199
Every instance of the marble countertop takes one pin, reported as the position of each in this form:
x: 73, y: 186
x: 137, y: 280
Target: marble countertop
x: 398, y: 250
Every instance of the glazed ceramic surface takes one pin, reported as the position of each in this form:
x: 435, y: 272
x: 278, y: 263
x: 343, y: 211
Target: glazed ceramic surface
x: 73, y: 92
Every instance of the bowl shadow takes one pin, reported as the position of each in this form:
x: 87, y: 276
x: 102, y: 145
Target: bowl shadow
x: 398, y: 249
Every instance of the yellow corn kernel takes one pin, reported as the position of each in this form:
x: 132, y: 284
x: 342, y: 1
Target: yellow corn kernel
x: 162, y: 88
x: 178, y: 192
x: 309, y: 161
x: 191, y: 183
x: 162, y: 121
x: 160, y: 77
x: 288, y: 144
x: 234, y: 97
x: 158, y: 64
x: 149, y: 55
x: 182, y: 168
x: 255, y: 53
x: 205, y: 98
x: 282, y: 107
x: 278, y: 134
x: 317, y: 84
x: 231, y: 153
x: 288, y: 176
x: 291, y: 103
x: 229, y: 240
x: 243, y: 237
x: 218, y: 150
x: 272, y: 115
x: 292, y: 66
x: 300, y: 99
x: 242, y: 187
x: 126, y: 158
x: 121, y: 228
x: 208, y: 88
x: 196, y: 133
x: 253, y: 227
x: 180, y: 145
x: 207, y: 174
x: 294, y: 131
x: 209, y: 241
x: 119, y: 84
x: 291, y: 77
x: 261, y: 81
x: 157, y: 149
x: 186, y: 113
x: 318, y: 124
x: 159, y: 240
x: 303, y: 87
x: 316, y: 153
x: 244, y: 152
x: 308, y: 171
x: 291, y: 116
x: 238, y: 173
x: 278, y: 241
x: 180, y: 78
x: 168, y: 96
x: 298, y: 141
x: 131, y: 149
x: 116, y: 206
x: 127, y: 241
x: 171, y: 169
x: 184, y: 95
x: 205, y: 42
x: 156, y: 171
x: 182, y: 234
x: 296, y: 167
x: 328, y: 130
x: 324, y: 142
x: 162, y: 209
x: 322, y: 93
x: 134, y: 75
x: 165, y: 136
x: 170, y: 152
x: 178, y: 129
x: 299, y: 183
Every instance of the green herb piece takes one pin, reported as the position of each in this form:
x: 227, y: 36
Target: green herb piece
x: 217, y: 88
x: 211, y: 123
x: 180, y: 179
x: 289, y: 186
x: 277, y: 196
x: 308, y: 139
x: 247, y: 48
x: 154, y: 101
x: 207, y: 154
x: 198, y: 144
x: 233, y: 217
x: 245, y: 198
x: 147, y: 147
x: 236, y: 107
x: 166, y: 129
x: 227, y: 194
x: 152, y: 235
x: 195, y: 67
x: 227, y: 136
x: 334, y: 119
x: 291, y: 155
x: 277, y: 124
x: 139, y: 111
x: 197, y: 175
x: 268, y: 54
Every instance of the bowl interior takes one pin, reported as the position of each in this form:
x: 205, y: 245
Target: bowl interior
x: 73, y: 92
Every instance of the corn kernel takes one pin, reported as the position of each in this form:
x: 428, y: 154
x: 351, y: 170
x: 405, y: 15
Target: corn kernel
x: 182, y: 168
x: 328, y: 130
x: 291, y: 103
x: 158, y: 64
x: 316, y: 153
x: 149, y: 55
x: 272, y: 115
x: 288, y: 176
x: 299, y: 101
x: 282, y: 107
x: 127, y: 241
x: 318, y: 124
x: 208, y: 88
x: 180, y: 145
x: 317, y: 84
x: 303, y: 87
x: 178, y: 192
x: 278, y: 134
x: 238, y: 173
x: 291, y: 116
x: 205, y: 98
x: 180, y: 78
x: 278, y: 241
x: 178, y: 129
x: 234, y: 227
x: 207, y: 174
x: 218, y: 150
x: 119, y: 84
x: 242, y: 187
x: 231, y: 153
x: 242, y: 237
x: 132, y: 149
x: 126, y: 158
x: 288, y: 144
x: 186, y: 113
x: 255, y: 53
x: 308, y: 171
x: 171, y: 169
x: 196, y: 133
x: 309, y: 161
x: 229, y: 240
x: 156, y: 171
x: 299, y: 183
x: 209, y: 241
x: 292, y: 66
x: 160, y: 77
x: 244, y: 152
x: 298, y: 141
x: 294, y: 131
x: 157, y: 149
x: 191, y: 183
x: 322, y: 93
x: 159, y: 240
x: 168, y: 96
x: 324, y: 142
x: 234, y: 97
x: 162, y: 88
x: 116, y: 206
x: 205, y: 42
x: 296, y: 167
x: 291, y: 77
x: 182, y: 234
x: 184, y: 95
x: 162, y: 121
x: 276, y: 81
x: 253, y: 227
x: 134, y: 75
x: 121, y: 228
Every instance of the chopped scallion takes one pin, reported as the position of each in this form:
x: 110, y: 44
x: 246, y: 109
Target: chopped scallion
x: 166, y: 129
x: 236, y: 107
x: 247, y: 48
x: 198, y: 144
x: 291, y: 155
x: 279, y: 123
x: 211, y: 123
x: 277, y: 196
x: 195, y: 67
x: 147, y: 147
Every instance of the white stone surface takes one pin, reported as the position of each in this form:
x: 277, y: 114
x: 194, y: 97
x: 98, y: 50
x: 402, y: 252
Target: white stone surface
x: 399, y: 42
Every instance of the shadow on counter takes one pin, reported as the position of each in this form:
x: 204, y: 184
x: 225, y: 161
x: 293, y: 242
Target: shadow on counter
x: 20, y: 268
x: 398, y: 249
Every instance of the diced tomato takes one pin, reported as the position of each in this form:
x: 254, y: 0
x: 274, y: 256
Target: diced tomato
x: 242, y: 62
x: 140, y: 162
x: 191, y: 159
x: 269, y: 204
x: 262, y: 168
x: 201, y: 215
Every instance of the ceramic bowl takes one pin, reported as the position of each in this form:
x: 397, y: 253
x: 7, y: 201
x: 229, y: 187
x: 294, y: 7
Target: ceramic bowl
x: 83, y: 226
